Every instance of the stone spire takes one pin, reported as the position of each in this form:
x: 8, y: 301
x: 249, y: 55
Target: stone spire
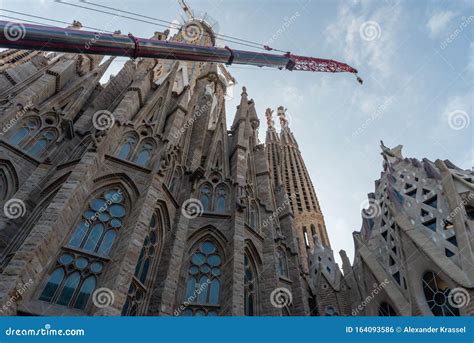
x: 270, y: 121
x: 282, y: 115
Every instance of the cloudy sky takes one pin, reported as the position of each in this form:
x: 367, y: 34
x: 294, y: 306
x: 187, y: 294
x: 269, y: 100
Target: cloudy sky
x: 416, y: 58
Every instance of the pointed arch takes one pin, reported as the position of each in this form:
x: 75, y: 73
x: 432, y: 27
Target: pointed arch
x: 127, y: 146
x: 221, y: 198
x: 88, y: 246
x: 8, y: 180
x: 144, y: 152
x: 205, y: 196
x: 143, y: 280
x: 24, y: 131
x: 251, y: 284
x: 203, y: 273
x: 42, y: 142
x: 121, y: 180
x: 46, y: 196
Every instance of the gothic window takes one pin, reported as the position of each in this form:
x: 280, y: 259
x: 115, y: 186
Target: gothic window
x: 144, y: 153
x: 386, y: 310
x: 126, y: 148
x: 221, y: 196
x: 147, y: 261
x: 82, y: 260
x: 8, y: 180
x: 281, y: 263
x: 205, y: 197
x: 42, y: 142
x: 28, y: 128
x: 73, y: 280
x: 130, y: 150
x: 250, y: 287
x: 28, y: 135
x: 101, y: 221
x: 437, y: 295
x: 203, y: 281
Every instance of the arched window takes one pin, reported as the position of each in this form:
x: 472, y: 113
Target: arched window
x: 250, y: 287
x: 386, y: 310
x: 203, y: 281
x: 101, y: 221
x: 221, y: 199
x: 75, y: 273
x: 28, y: 128
x: 147, y: 261
x: 205, y: 196
x: 144, y: 153
x: 281, y: 263
x: 42, y: 142
x: 437, y: 295
x: 125, y: 149
x: 8, y: 180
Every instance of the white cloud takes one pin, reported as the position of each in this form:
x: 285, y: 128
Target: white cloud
x: 367, y: 35
x: 438, y: 22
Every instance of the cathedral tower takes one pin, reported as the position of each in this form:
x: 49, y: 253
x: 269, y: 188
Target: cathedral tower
x: 288, y: 168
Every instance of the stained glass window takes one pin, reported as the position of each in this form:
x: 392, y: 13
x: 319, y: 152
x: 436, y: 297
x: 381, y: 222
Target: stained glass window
x: 250, y: 285
x: 437, y: 295
x: 203, y: 281
x: 74, y: 276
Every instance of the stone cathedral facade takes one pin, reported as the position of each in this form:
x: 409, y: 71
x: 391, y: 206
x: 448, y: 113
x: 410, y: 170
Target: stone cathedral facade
x: 135, y: 197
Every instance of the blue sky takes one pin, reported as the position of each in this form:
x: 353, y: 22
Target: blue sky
x: 416, y: 58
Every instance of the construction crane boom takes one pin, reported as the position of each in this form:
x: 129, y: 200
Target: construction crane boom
x: 49, y: 38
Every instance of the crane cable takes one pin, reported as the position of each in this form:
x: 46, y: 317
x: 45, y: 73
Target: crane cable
x: 258, y: 45
x: 173, y: 25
